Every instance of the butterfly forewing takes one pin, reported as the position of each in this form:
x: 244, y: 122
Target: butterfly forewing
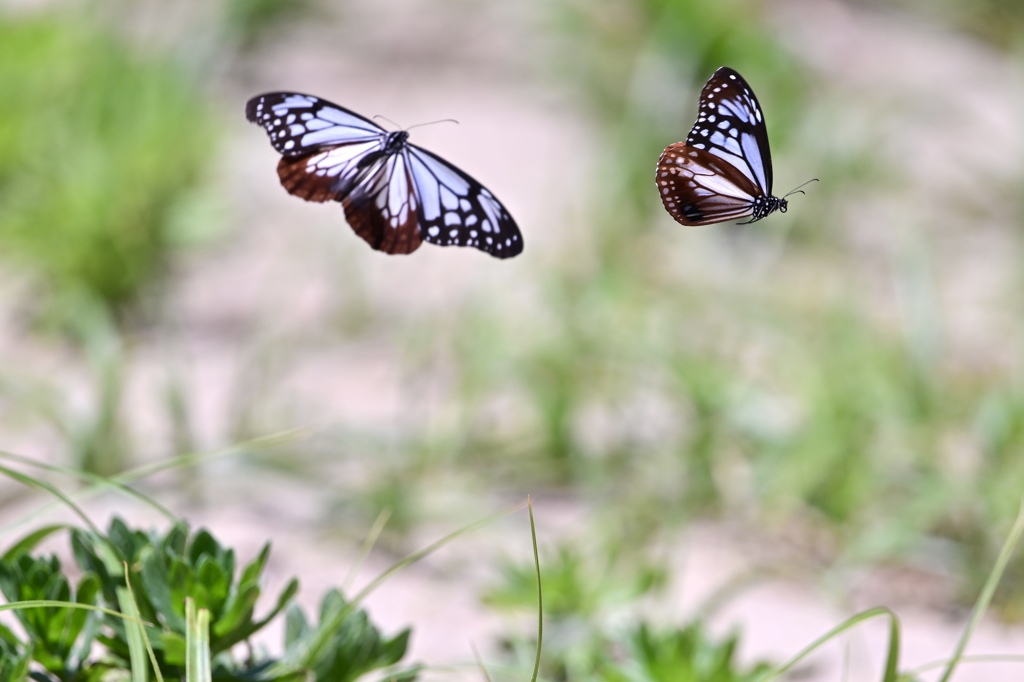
x: 730, y: 125
x: 302, y: 124
x: 459, y: 211
x: 724, y: 169
x: 395, y: 195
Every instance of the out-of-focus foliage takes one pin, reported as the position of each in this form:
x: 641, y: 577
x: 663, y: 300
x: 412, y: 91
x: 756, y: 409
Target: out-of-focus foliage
x: 578, y: 584
x: 101, y: 147
x: 999, y: 22
x: 253, y: 20
x: 760, y: 380
x: 687, y: 654
x: 582, y: 639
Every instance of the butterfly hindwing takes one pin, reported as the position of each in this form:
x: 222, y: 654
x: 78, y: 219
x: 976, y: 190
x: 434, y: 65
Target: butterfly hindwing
x: 456, y: 210
x: 698, y: 187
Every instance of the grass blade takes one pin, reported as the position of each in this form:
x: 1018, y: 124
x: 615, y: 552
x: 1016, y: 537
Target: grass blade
x: 540, y: 593
x: 985, y: 598
x: 892, y: 657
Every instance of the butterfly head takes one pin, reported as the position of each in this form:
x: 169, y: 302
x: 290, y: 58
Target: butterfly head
x: 766, y: 205
x: 394, y: 142
x: 763, y: 206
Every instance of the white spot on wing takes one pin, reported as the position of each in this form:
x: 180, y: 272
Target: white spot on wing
x: 448, y: 200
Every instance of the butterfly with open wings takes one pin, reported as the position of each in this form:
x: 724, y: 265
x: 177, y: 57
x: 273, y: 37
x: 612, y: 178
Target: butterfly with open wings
x: 395, y: 195
x: 724, y: 169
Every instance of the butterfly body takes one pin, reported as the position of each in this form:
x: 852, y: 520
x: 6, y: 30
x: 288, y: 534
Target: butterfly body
x: 395, y: 195
x: 724, y: 169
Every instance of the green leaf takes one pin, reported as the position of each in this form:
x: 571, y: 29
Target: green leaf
x: 253, y: 571
x: 203, y: 544
x: 244, y: 630
x: 175, y: 648
x: 175, y: 542
x: 235, y: 621
x: 87, y: 592
x: 296, y: 628
x: 215, y: 581
x: 30, y: 541
x: 165, y: 586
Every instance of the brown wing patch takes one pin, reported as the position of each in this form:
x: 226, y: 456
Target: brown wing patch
x: 698, y: 188
x: 370, y: 223
x: 298, y: 178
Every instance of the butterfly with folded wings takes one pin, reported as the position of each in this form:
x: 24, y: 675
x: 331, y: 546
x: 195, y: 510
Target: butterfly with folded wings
x: 724, y: 169
x: 395, y: 195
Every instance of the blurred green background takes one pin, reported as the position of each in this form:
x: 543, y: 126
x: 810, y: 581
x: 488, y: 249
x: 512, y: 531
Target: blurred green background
x: 847, y: 376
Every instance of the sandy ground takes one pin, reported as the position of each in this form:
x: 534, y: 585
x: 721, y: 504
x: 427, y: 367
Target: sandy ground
x: 283, y: 267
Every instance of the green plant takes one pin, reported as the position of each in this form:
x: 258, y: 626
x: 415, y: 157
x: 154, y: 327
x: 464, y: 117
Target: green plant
x: 168, y: 574
x: 686, y: 654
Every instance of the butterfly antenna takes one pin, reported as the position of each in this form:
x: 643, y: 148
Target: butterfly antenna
x: 797, y: 190
x: 430, y: 123
x: 385, y: 118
